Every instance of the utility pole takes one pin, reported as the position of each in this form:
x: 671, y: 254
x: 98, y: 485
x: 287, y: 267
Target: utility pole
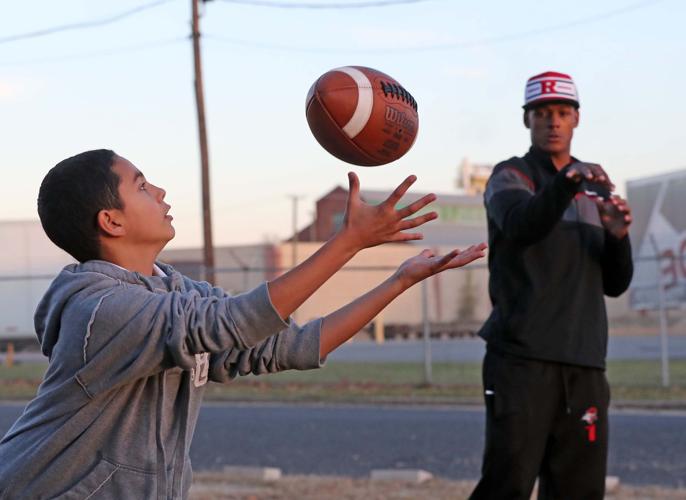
x: 208, y: 253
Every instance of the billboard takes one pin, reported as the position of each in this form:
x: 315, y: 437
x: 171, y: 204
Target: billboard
x: 658, y: 236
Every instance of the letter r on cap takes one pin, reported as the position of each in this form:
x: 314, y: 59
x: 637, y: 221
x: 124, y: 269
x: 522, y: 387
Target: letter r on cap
x: 548, y: 87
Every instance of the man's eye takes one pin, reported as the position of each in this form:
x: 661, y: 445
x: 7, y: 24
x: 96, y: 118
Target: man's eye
x: 143, y: 186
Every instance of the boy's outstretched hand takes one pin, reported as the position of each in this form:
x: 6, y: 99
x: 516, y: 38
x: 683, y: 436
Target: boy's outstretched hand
x: 420, y: 267
x: 343, y: 323
x: 367, y: 225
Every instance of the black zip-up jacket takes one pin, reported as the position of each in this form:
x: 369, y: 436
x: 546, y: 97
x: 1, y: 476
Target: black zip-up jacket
x: 550, y: 261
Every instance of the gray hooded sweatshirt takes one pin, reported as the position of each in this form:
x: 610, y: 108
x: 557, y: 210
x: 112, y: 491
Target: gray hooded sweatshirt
x: 129, y: 359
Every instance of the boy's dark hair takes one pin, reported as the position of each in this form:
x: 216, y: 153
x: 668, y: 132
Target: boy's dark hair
x: 72, y: 194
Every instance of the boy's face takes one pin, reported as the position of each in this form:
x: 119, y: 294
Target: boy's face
x: 145, y: 216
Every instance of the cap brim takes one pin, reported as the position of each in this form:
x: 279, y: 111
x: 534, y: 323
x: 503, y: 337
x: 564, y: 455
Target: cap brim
x: 550, y: 100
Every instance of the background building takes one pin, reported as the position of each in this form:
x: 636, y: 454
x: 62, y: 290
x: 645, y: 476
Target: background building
x: 472, y: 177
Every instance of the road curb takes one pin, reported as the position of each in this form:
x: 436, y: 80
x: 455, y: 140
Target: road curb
x: 417, y: 476
x: 611, y: 486
x: 259, y: 473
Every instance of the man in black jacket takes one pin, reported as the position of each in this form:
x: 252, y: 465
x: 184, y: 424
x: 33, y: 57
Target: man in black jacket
x: 558, y: 243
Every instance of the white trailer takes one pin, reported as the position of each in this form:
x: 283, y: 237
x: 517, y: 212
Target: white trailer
x: 28, y: 263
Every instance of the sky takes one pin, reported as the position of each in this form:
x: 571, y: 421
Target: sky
x: 128, y: 86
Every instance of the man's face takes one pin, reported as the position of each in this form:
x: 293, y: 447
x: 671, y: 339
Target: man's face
x: 552, y: 126
x: 145, y: 216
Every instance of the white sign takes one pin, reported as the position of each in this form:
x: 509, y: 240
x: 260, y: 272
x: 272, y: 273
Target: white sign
x: 658, y: 236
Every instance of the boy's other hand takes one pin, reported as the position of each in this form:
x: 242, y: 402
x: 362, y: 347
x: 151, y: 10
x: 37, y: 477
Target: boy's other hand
x: 420, y: 267
x: 367, y: 225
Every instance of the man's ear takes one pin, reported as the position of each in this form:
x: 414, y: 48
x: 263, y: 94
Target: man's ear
x: 576, y: 116
x: 526, y: 119
x: 109, y: 222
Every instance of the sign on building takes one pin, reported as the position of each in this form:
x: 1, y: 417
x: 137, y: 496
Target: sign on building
x: 658, y: 236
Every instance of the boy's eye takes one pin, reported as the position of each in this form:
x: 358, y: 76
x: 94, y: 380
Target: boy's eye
x: 143, y: 186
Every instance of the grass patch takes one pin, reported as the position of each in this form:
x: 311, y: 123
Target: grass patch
x: 30, y: 372
x: 632, y: 382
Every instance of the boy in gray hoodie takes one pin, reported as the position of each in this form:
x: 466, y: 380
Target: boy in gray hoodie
x: 132, y: 343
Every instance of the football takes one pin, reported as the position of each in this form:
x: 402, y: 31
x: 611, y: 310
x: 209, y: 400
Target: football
x: 362, y: 116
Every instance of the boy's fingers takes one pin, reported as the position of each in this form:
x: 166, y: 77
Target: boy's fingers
x: 417, y: 221
x: 467, y: 257
x: 406, y: 237
x: 445, y: 260
x: 428, y: 253
x: 353, y: 185
x: 398, y: 193
x: 416, y: 206
x: 464, y: 257
x: 479, y: 247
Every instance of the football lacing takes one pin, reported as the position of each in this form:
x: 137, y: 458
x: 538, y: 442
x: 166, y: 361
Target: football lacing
x: 398, y: 92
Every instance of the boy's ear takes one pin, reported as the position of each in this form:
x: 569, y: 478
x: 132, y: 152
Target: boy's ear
x: 526, y: 119
x: 109, y: 222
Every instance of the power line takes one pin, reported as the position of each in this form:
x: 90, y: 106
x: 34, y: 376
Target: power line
x: 82, y: 25
x: 449, y: 46
x: 578, y: 22
x: 99, y: 53
x: 334, y: 5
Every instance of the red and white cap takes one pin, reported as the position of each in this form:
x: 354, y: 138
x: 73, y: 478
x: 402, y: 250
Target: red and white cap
x: 550, y: 86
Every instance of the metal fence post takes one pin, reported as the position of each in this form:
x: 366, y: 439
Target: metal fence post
x: 664, y: 348
x: 427, y: 333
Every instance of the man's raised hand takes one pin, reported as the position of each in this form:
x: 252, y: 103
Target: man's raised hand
x: 590, y: 172
x: 615, y: 214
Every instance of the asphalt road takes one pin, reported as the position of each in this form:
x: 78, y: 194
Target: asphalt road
x: 645, y: 448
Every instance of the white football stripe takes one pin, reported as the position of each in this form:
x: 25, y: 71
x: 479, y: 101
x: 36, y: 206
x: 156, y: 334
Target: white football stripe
x: 365, y: 100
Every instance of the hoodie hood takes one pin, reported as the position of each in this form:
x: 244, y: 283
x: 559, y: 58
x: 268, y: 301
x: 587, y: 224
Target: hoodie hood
x: 85, y: 280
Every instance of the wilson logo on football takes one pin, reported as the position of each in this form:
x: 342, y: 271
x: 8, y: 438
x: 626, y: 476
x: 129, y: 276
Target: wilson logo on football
x: 396, y: 117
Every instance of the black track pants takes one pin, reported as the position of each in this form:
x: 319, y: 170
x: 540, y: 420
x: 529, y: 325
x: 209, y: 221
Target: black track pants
x: 545, y: 420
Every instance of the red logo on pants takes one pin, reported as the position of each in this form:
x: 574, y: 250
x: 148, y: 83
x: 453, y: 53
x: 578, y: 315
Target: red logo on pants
x: 591, y: 417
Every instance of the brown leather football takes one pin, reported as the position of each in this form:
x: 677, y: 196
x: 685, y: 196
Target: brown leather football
x: 362, y: 116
